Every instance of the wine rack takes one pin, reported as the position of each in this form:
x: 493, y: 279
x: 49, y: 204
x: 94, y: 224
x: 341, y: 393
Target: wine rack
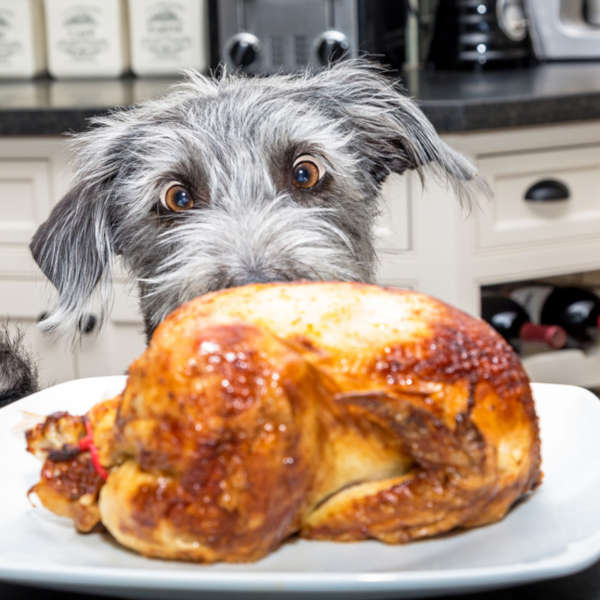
x: 570, y: 366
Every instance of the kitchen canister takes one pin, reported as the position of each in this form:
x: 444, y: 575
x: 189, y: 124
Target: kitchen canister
x: 87, y: 38
x: 168, y: 35
x: 22, y: 42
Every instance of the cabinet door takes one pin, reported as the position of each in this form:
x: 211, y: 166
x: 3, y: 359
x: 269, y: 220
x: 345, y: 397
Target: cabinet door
x: 25, y: 198
x: 550, y: 196
x: 393, y: 226
x: 121, y: 339
x: 21, y: 304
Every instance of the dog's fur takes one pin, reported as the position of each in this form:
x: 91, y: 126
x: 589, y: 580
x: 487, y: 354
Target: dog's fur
x: 18, y: 374
x: 232, y: 141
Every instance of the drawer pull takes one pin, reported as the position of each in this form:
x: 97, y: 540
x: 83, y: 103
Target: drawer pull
x: 547, y: 190
x: 87, y: 323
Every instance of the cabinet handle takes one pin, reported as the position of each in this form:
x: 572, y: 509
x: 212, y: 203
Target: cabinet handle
x: 548, y: 190
x: 87, y: 323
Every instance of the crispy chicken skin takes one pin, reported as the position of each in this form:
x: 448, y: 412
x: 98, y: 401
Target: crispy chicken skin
x: 338, y: 411
x: 69, y: 483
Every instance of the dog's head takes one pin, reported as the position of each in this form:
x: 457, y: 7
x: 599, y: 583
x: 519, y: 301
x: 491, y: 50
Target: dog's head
x: 235, y: 180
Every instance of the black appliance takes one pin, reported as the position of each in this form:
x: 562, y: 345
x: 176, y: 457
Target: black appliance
x: 269, y: 36
x: 472, y: 34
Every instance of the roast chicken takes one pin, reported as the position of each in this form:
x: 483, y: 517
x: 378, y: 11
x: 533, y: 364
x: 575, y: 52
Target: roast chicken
x: 333, y: 411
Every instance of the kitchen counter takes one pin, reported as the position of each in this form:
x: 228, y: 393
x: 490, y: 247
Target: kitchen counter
x: 542, y: 95
x: 47, y: 107
x: 458, y: 101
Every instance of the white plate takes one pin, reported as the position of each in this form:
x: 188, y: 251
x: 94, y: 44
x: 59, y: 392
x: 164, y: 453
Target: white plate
x: 555, y: 532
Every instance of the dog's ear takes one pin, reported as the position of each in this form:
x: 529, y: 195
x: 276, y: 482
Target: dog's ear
x: 393, y: 133
x: 73, y: 249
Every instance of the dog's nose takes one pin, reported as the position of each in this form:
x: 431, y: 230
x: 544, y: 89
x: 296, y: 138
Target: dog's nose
x: 256, y: 276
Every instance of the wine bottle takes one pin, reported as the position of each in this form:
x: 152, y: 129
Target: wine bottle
x: 512, y: 322
x: 575, y: 309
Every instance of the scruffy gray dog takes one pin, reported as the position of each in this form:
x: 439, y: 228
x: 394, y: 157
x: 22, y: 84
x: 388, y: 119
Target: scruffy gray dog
x: 235, y: 180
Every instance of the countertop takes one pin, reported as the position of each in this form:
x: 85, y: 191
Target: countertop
x: 458, y: 101
x: 545, y: 94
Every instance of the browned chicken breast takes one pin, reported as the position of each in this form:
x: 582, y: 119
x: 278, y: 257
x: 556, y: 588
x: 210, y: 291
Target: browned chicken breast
x: 338, y: 411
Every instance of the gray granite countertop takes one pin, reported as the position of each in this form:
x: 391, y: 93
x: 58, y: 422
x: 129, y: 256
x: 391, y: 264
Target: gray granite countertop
x: 545, y: 94
x: 454, y: 101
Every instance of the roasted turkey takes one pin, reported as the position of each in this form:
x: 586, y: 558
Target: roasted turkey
x: 336, y: 411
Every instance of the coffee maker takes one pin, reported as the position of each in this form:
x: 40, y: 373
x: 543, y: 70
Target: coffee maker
x: 476, y: 34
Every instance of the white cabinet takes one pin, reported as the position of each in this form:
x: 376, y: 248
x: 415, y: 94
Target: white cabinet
x: 31, y: 171
x: 25, y: 200
x: 511, y: 239
x: 120, y: 341
x: 34, y: 174
x: 23, y: 301
x: 393, y: 226
x: 108, y: 351
x: 425, y: 240
x: 572, y: 215
x: 392, y: 230
x: 452, y: 252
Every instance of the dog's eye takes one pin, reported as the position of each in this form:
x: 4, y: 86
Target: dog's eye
x: 175, y: 197
x: 308, y: 171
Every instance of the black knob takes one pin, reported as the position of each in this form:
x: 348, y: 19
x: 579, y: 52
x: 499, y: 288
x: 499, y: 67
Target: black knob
x: 244, y: 49
x: 547, y: 190
x: 333, y: 46
x: 87, y: 323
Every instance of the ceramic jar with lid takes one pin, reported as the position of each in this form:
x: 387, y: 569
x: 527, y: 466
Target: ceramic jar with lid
x: 22, y: 41
x: 168, y: 36
x: 87, y: 38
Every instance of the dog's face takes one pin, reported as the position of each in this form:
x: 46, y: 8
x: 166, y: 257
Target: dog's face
x: 237, y: 180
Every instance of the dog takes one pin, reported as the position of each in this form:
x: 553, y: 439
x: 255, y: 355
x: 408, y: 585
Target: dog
x: 232, y: 180
x: 18, y: 373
